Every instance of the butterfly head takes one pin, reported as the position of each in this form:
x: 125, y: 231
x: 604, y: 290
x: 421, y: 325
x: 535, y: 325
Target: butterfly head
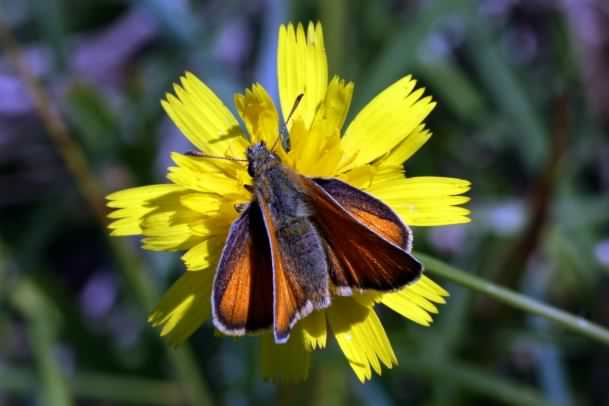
x: 260, y: 159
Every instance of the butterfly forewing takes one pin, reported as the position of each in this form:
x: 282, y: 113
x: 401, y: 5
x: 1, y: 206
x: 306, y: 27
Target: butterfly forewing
x: 242, y: 298
x: 369, y: 211
x: 366, y: 243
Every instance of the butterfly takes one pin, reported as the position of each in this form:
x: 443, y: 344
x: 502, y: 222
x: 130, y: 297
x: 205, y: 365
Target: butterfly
x: 300, y: 241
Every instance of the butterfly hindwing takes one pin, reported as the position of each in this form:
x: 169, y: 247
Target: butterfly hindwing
x: 366, y: 243
x: 242, y: 296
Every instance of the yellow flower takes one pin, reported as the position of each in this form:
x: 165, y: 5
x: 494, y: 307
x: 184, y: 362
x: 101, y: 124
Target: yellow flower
x: 195, y: 211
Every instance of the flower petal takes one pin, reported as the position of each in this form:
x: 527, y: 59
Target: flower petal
x: 410, y: 304
x: 128, y: 221
x: 203, y: 118
x: 405, y: 149
x: 428, y: 289
x: 287, y: 362
x: 314, y: 330
x: 360, y: 177
x: 414, y: 301
x: 400, y: 303
x: 169, y: 230
x: 335, y: 105
x: 259, y: 114
x: 423, y: 200
x: 361, y: 337
x: 184, y: 307
x: 384, y: 122
x: 202, y: 175
x: 204, y: 254
x: 302, y: 68
x: 207, y: 204
x: 156, y: 213
x: 138, y: 196
x: 318, y: 151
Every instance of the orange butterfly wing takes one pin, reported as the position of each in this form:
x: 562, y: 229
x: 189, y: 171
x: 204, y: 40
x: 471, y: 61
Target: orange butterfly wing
x: 242, y: 296
x: 367, y: 245
x: 369, y: 211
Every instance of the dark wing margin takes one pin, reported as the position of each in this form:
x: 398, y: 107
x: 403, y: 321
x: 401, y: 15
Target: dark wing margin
x: 366, y: 243
x: 242, y: 295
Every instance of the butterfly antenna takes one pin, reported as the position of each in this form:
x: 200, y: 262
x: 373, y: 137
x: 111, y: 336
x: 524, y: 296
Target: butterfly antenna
x: 284, y: 135
x: 200, y: 154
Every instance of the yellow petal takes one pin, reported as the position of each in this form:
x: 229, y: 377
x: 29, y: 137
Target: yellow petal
x: 169, y: 226
x: 406, y: 308
x: 184, y: 307
x: 128, y: 221
x: 204, y: 254
x: 287, y: 362
x: 298, y: 140
x: 361, y: 337
x: 137, y: 196
x: 424, y: 200
x: 314, y: 330
x: 207, y: 204
x: 414, y: 301
x: 136, y: 205
x: 428, y: 289
x: 302, y: 68
x: 231, y: 168
x: 434, y: 218
x: 318, y: 151
x: 360, y: 177
x: 410, y: 305
x: 203, y: 176
x: 417, y: 187
x: 127, y: 212
x: 259, y: 114
x: 329, y: 158
x: 162, y: 234
x: 405, y: 149
x: 430, y: 286
x: 203, y: 118
x: 332, y: 112
x: 385, y: 122
x: 418, y: 300
x: 366, y: 298
x: 314, y: 153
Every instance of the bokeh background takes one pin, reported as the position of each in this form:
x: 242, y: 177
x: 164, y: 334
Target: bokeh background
x: 523, y: 112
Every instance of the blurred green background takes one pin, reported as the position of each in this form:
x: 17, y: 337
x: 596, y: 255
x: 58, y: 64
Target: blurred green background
x: 523, y: 112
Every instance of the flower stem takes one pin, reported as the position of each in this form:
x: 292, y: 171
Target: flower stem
x: 566, y: 320
x: 42, y: 328
x: 470, y: 378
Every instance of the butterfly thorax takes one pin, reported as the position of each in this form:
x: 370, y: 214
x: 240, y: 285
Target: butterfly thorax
x: 276, y: 186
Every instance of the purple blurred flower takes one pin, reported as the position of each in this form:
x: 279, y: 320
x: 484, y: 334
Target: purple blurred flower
x: 449, y: 239
x: 234, y: 43
x: 99, y: 295
x: 601, y: 252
